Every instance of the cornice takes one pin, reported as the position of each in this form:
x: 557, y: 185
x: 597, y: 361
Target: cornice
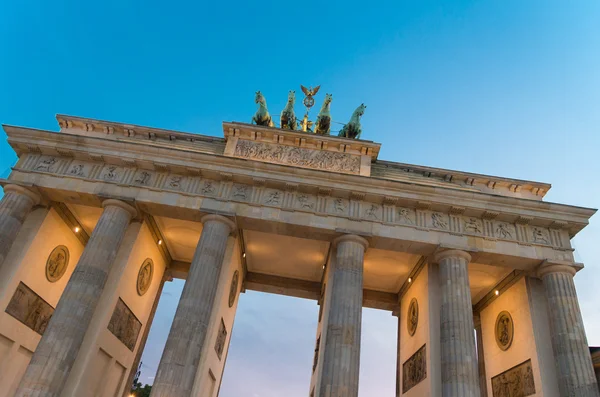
x: 153, y: 156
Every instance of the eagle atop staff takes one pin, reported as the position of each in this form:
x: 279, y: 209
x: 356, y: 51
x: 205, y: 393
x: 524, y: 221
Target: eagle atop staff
x: 310, y: 91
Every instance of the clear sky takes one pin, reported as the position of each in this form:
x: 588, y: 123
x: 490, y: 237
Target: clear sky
x: 506, y: 87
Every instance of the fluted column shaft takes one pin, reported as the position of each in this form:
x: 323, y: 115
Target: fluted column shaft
x: 16, y: 204
x: 55, y: 354
x: 459, y: 359
x: 341, y: 355
x: 573, y: 360
x: 181, y: 356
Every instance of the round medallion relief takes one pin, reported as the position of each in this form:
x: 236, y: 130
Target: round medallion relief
x: 504, y: 330
x: 412, y: 317
x: 144, y: 278
x: 57, y: 262
x: 233, y: 288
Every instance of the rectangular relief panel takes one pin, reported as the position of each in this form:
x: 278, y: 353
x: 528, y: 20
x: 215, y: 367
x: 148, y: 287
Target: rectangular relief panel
x: 221, y: 337
x: 514, y: 382
x: 414, y: 370
x: 125, y: 325
x: 30, y: 309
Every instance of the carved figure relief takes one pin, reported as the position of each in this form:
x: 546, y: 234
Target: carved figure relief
x: 221, y: 337
x: 233, y: 288
x: 57, y: 263
x: 412, y: 316
x: 77, y: 170
x: 46, y: 165
x: 515, y: 382
x: 125, y: 325
x: 273, y: 198
x: 299, y: 157
x: 316, y: 356
x: 504, y: 330
x: 414, y: 370
x: 175, y: 181
x: 339, y: 205
x: 144, y: 278
x: 111, y: 173
x: 143, y: 178
x: 372, y: 212
x: 208, y: 187
x: 30, y: 309
x: 304, y: 201
x: 504, y: 230
x: 540, y: 236
x: 438, y: 220
x: 473, y: 225
x: 404, y: 216
x: 240, y: 192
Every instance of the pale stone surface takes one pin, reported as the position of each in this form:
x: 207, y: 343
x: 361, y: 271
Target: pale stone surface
x: 459, y: 361
x: 55, y: 354
x: 573, y: 360
x: 341, y: 347
x: 14, y: 207
x: 480, y: 357
x: 181, y: 356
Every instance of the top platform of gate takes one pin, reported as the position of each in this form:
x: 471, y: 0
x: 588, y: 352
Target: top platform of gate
x: 305, y: 150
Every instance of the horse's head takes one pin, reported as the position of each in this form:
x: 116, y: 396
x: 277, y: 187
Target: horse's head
x: 292, y: 97
x: 259, y: 98
x: 360, y: 110
x: 328, y: 99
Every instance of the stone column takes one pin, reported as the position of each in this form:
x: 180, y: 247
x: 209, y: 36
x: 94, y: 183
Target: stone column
x: 181, y: 357
x: 573, y: 360
x: 341, y: 350
x: 480, y: 357
x: 459, y: 359
x: 15, y: 205
x: 53, y: 359
x: 398, y: 363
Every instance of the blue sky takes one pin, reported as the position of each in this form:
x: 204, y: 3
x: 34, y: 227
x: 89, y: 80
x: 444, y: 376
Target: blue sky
x: 506, y: 87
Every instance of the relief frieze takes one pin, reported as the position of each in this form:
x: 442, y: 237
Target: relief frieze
x: 30, y: 309
x: 125, y: 325
x: 298, y: 157
x: 301, y: 200
x: 414, y: 370
x: 515, y: 382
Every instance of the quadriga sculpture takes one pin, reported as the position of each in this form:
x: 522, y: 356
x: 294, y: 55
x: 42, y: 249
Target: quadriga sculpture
x: 323, y: 123
x: 262, y: 116
x: 353, y: 128
x: 288, y: 117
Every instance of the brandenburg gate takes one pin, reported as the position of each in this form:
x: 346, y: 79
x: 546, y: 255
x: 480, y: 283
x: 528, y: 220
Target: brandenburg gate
x: 95, y: 218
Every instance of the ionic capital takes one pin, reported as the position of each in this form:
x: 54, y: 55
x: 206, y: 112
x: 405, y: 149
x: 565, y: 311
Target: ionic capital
x: 351, y: 238
x: 548, y: 267
x: 219, y: 218
x: 36, y: 198
x: 440, y: 256
x: 121, y: 204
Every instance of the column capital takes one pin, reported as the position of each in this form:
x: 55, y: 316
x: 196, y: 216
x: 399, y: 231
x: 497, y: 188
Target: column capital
x: 35, y: 197
x: 353, y: 238
x: 219, y: 218
x: 439, y: 256
x: 121, y: 204
x: 548, y: 267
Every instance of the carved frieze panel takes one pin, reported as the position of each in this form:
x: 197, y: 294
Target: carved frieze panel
x: 515, y: 382
x: 46, y: 164
x: 504, y: 231
x: 80, y: 169
x: 414, y: 370
x: 540, y: 235
x: 144, y: 178
x: 273, y: 197
x: 373, y: 212
x: 241, y: 192
x: 406, y: 216
x: 174, y: 182
x: 298, y: 157
x: 439, y: 220
x: 209, y: 187
x: 306, y: 201
x: 125, y: 325
x: 339, y: 206
x: 112, y: 173
x: 30, y: 309
x: 472, y: 225
x: 57, y: 263
x: 220, y: 342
